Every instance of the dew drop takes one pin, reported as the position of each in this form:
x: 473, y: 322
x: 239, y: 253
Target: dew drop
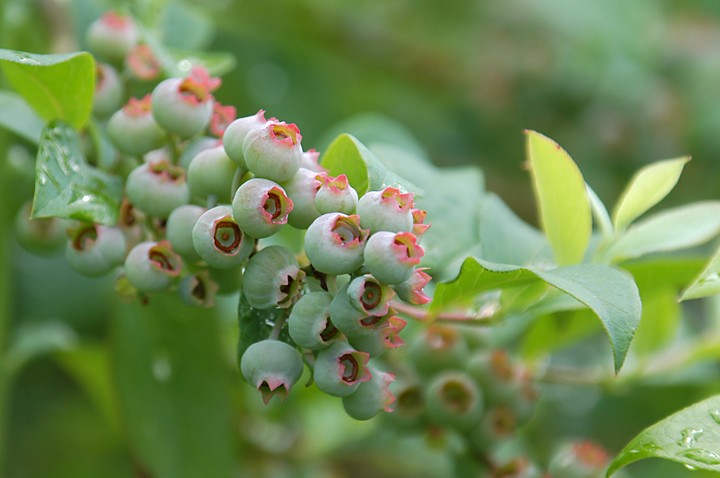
x: 689, y: 467
x: 706, y: 457
x: 162, y: 368
x: 715, y: 416
x: 689, y: 436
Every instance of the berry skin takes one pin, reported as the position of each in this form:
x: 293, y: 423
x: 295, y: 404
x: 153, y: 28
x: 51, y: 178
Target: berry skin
x: 272, y: 367
x: 309, y: 323
x: 497, y: 374
x: 198, y: 290
x: 95, y: 250
x: 391, y: 257
x: 335, y: 195
x: 111, y: 36
x: 369, y: 296
x: 211, y: 173
x: 301, y: 189
x: 454, y: 399
x: 108, y: 91
x: 334, y: 243
x: 194, y: 147
x: 410, y: 406
x: 152, y: 266
x: 384, y: 336
x: 261, y: 207
x: 41, y: 236
x: 340, y: 369
x: 218, y: 239
x: 179, y: 228
x: 273, y: 151
x: 157, y: 188
x: 311, y: 161
x: 386, y: 210
x: 133, y: 129
x: 272, y: 278
x: 371, y: 397
x: 439, y: 347
x: 235, y: 135
x: 411, y: 290
x: 581, y: 459
x: 184, y: 106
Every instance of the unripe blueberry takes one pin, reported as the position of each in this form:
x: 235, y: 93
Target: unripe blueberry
x: 157, y: 188
x: 272, y: 278
x: 261, y: 207
x: 411, y: 290
x: 519, y: 467
x: 311, y: 160
x: 335, y: 195
x: 497, y: 374
x: 498, y: 424
x: 142, y: 63
x: 222, y: 117
x: 391, y: 257
x: 198, y: 290
x: 40, y: 236
x: 301, y: 189
x: 334, y: 243
x: 95, y: 250
x: 194, y: 146
x: 235, y: 135
x: 272, y: 367
x: 454, y: 399
x: 179, y: 229
x: 218, y: 239
x: 581, y: 459
x: 309, y: 323
x: 439, y: 347
x: 184, y: 106
x: 211, y: 173
x: 353, y: 321
x: 340, y: 369
x: 228, y: 281
x: 133, y: 129
x: 273, y: 151
x: 152, y: 266
x: 369, y: 296
x: 386, y: 210
x: 112, y: 35
x: 371, y: 397
x: 383, y: 336
x: 108, y: 91
x: 410, y: 404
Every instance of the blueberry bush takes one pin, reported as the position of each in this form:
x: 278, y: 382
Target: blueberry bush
x: 193, y: 287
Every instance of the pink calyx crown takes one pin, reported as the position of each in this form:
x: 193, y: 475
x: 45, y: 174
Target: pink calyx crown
x: 143, y: 63
x: 407, y: 248
x: 284, y: 134
x: 402, y: 201
x: 222, y: 116
x: 334, y: 184
x: 116, y: 21
x: 138, y: 107
x: 198, y: 86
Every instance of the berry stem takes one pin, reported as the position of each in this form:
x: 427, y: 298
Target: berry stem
x: 237, y: 179
x: 277, y: 327
x: 467, y: 317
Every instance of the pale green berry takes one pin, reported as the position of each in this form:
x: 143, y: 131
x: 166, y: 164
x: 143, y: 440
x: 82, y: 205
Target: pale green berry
x: 273, y: 151
x: 198, y: 290
x: 580, y: 459
x: 261, y: 207
x: 133, y: 129
x: 211, y: 173
x: 157, y: 188
x: 179, y: 228
x: 371, y: 397
x: 108, y: 91
x: 112, y: 35
x: 340, y: 369
x: 235, y: 135
x: 301, y: 189
x: 439, y: 347
x: 218, y: 239
x: 95, y: 250
x: 386, y: 210
x: 152, y: 266
x: 391, y: 256
x: 335, y: 195
x: 272, y: 278
x: 272, y: 367
x: 454, y: 399
x: 334, y: 243
x: 309, y: 323
x: 41, y: 236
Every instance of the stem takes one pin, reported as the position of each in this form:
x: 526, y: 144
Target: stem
x: 237, y: 179
x: 277, y: 327
x: 5, y: 284
x: 462, y: 317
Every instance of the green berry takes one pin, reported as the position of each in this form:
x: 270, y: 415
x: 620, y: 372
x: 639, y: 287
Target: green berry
x: 309, y: 323
x: 261, y: 207
x: 157, y: 188
x: 371, y: 397
x: 194, y: 146
x: 179, y: 228
x: 439, y: 347
x: 152, y: 266
x: 580, y: 459
x: 454, y: 399
x: 228, y: 281
x: 497, y: 374
x: 218, y: 239
x: 386, y: 210
x: 111, y: 36
x: 381, y: 337
x: 272, y: 278
x: 133, y: 129
x: 272, y: 367
x: 211, y: 173
x: 334, y: 243
x: 273, y: 151
x: 410, y: 406
x: 301, y: 189
x: 41, y: 236
x: 108, y: 90
x: 411, y: 290
x: 198, y: 290
x: 95, y: 250
x: 369, y: 296
x: 340, y: 369
x: 235, y: 135
x: 335, y: 195
x: 391, y: 257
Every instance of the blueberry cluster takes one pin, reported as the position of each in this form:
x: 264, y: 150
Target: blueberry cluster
x: 202, y: 192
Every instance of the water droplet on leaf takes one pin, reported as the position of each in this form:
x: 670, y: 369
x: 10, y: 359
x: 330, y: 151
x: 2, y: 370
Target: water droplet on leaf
x: 715, y: 416
x: 706, y: 457
x: 690, y: 436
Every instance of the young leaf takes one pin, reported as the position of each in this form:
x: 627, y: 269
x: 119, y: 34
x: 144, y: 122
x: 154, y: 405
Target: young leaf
x: 647, y: 188
x: 706, y: 283
x: 563, y: 204
x: 67, y: 186
x: 347, y: 155
x: 669, y: 230
x: 610, y: 293
x: 690, y: 436
x: 58, y: 87
x: 17, y: 116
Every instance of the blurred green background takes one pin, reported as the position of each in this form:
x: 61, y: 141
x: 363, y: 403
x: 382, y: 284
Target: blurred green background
x: 619, y: 84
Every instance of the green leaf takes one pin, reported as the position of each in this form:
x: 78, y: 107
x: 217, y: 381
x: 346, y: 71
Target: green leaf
x: 36, y: 339
x: 690, y: 436
x: 174, y: 386
x: 17, y: 116
x: 610, y: 293
x: 707, y: 282
x: 669, y: 230
x: 599, y: 212
x: 563, y: 203
x: 67, y: 186
x: 557, y: 330
x: 365, y: 172
x: 648, y: 187
x: 58, y: 87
